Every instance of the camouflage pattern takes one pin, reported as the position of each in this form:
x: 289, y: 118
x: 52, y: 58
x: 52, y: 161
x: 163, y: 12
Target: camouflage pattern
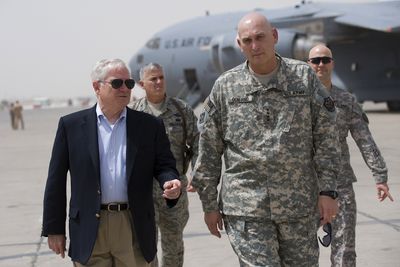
x: 172, y: 221
x: 343, y: 251
x: 351, y: 118
x: 261, y: 242
x: 278, y: 141
x: 280, y: 148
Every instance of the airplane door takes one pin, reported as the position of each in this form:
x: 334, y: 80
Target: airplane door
x: 191, y: 79
x: 193, y: 88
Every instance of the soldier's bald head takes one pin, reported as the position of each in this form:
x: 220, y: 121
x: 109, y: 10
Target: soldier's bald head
x: 320, y: 60
x: 320, y: 50
x: 256, y: 39
x: 253, y: 19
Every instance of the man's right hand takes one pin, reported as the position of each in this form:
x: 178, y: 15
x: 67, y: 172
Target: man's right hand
x: 57, y: 244
x: 214, y: 223
x: 328, y: 208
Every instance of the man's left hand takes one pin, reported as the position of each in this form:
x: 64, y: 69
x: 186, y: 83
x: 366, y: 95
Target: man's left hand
x: 383, y: 191
x: 190, y: 187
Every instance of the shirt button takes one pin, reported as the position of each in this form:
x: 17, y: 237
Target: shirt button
x: 97, y: 215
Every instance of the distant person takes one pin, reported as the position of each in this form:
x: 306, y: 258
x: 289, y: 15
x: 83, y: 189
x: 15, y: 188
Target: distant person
x: 112, y: 154
x: 272, y: 121
x: 18, y: 117
x: 350, y: 118
x: 12, y: 115
x: 181, y: 125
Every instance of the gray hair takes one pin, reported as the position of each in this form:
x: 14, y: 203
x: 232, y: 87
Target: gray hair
x: 102, y: 67
x: 148, y: 67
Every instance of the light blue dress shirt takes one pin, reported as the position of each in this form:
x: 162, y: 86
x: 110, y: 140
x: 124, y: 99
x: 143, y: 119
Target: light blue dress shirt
x: 112, y: 152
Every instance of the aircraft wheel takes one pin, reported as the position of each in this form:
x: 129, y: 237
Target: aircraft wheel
x: 393, y: 106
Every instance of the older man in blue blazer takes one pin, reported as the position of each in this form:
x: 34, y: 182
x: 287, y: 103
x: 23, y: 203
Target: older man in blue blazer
x: 112, y: 154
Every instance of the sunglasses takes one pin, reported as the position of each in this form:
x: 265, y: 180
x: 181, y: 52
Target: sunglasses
x: 317, y: 60
x: 326, y: 240
x: 117, y: 83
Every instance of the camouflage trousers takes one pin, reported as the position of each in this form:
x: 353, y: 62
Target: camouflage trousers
x: 343, y: 252
x: 262, y: 242
x: 170, y: 222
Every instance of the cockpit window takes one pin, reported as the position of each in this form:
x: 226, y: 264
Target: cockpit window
x: 153, y: 43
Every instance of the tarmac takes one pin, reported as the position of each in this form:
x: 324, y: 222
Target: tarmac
x: 24, y: 159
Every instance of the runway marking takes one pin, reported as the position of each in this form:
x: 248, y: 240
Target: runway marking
x: 20, y: 244
x: 392, y: 225
x: 29, y: 254
x: 34, y: 255
x: 191, y: 235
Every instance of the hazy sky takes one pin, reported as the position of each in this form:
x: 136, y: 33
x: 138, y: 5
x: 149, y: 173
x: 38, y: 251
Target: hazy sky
x: 48, y: 47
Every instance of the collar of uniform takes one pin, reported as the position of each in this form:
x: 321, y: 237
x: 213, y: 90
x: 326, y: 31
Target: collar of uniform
x: 275, y: 83
x: 164, y: 106
x: 281, y: 75
x: 334, y: 92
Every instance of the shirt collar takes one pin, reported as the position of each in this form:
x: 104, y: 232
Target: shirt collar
x: 101, y: 115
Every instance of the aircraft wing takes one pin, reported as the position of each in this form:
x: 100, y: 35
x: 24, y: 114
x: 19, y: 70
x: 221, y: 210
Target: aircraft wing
x: 383, y: 18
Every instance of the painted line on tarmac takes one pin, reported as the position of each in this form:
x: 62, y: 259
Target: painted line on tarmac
x: 30, y: 254
x: 191, y: 235
x: 392, y: 225
x: 20, y: 244
x: 35, y: 255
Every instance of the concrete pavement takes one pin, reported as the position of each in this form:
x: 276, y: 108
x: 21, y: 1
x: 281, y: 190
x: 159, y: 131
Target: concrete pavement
x: 24, y: 161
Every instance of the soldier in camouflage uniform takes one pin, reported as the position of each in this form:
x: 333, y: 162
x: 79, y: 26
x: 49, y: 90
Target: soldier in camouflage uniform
x: 273, y: 123
x: 181, y: 125
x: 350, y: 118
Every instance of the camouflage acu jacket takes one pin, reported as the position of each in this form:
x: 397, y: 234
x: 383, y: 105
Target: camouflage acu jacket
x: 184, y: 152
x: 351, y: 118
x: 278, y: 142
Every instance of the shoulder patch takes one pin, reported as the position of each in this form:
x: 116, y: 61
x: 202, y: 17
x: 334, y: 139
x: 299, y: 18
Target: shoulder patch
x: 329, y: 104
x: 209, y: 106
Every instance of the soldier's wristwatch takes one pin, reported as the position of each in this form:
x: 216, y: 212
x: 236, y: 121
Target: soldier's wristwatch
x: 332, y: 194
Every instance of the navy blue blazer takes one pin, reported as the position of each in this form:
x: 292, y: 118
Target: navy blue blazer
x: 75, y: 149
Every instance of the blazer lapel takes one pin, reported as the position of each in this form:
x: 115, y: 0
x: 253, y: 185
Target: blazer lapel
x: 132, y: 120
x: 89, y: 127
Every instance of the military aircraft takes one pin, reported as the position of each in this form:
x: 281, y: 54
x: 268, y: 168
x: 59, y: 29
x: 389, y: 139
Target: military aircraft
x: 364, y: 37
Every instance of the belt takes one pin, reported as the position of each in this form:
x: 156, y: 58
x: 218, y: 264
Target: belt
x: 115, y: 206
